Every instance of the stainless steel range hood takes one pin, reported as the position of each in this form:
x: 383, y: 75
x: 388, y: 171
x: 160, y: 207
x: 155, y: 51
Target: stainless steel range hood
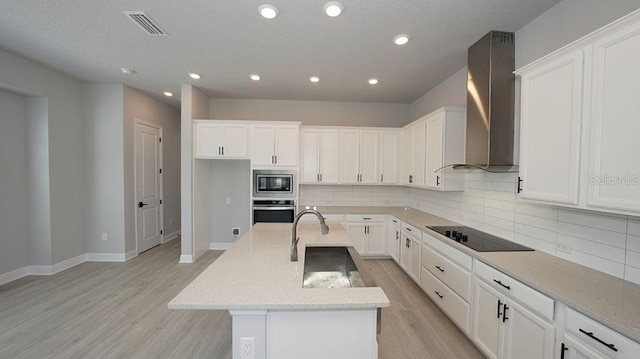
x: 490, y: 104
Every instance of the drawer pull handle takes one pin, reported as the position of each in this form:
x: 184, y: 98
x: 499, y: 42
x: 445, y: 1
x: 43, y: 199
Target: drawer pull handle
x: 438, y: 294
x: 408, y: 229
x: 504, y: 313
x: 504, y: 285
x: 440, y: 269
x: 563, y: 348
x: 366, y: 218
x: 499, y: 305
x: 590, y: 335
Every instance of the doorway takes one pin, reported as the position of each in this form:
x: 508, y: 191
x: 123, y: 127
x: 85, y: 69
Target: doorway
x: 148, y: 178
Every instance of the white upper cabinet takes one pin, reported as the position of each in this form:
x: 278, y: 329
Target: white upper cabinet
x: 274, y: 144
x: 320, y: 155
x: 414, y: 151
x: 614, y: 169
x: 579, y: 113
x: 359, y: 157
x: 550, y: 125
x: 388, y: 157
x: 216, y: 139
x: 445, y: 145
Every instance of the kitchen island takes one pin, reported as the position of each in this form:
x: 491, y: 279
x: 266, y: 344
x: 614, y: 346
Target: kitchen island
x: 256, y: 281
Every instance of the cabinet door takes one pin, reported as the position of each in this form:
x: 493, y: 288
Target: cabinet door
x: 350, y: 171
x: 418, y: 142
x: 575, y: 349
x: 368, y: 157
x: 394, y: 241
x: 286, y: 145
x: 614, y: 169
x: 389, y: 157
x: 375, y: 238
x: 407, y: 154
x: 551, y: 112
x: 236, y: 141
x: 487, y: 319
x: 358, y: 235
x: 434, y: 146
x: 208, y: 140
x: 310, y: 161
x: 263, y: 137
x: 415, y: 248
x: 527, y: 336
x: 405, y: 253
x: 329, y: 156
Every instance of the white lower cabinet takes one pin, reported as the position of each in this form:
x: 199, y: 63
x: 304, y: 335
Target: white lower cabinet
x: 368, y: 233
x: 505, y: 324
x: 394, y: 238
x: 584, y: 338
x: 410, y: 248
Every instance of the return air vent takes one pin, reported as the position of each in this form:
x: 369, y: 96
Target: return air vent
x: 145, y: 22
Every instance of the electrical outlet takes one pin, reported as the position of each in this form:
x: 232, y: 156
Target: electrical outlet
x: 247, y: 348
x: 562, y: 247
x: 236, y: 231
x: 104, y: 236
x: 228, y: 200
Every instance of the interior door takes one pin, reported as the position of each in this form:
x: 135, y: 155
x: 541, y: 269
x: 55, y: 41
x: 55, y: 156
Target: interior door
x: 147, y: 173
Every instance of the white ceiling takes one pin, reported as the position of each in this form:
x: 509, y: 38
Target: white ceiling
x: 226, y: 40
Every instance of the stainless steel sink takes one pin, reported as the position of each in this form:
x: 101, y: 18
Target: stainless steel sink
x: 333, y: 267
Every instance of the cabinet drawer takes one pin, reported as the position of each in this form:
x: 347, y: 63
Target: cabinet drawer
x: 535, y: 300
x: 414, y: 231
x: 462, y: 259
x: 448, y: 272
x: 601, y: 338
x: 454, y: 306
x: 366, y: 218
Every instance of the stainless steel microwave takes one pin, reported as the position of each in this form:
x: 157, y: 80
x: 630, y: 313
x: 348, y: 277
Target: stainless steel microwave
x: 274, y: 184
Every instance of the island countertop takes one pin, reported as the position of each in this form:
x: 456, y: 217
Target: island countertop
x: 256, y: 273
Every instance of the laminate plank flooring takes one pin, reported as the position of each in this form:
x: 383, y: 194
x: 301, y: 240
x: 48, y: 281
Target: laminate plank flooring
x: 119, y: 310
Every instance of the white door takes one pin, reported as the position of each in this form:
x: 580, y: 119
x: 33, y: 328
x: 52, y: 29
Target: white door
x: 375, y: 238
x: 435, y: 134
x: 358, y: 235
x: 208, y: 141
x: 310, y: 161
x: 148, y: 187
x: 236, y: 141
x: 614, y: 172
x: 419, y: 152
x: 550, y: 117
x: 329, y: 156
x: 287, y: 145
x: 415, y: 249
x: 527, y: 335
x: 263, y: 145
x: 407, y: 153
x: 488, y: 307
x: 350, y: 171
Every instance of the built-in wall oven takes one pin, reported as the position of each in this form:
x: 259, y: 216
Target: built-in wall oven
x: 274, y: 196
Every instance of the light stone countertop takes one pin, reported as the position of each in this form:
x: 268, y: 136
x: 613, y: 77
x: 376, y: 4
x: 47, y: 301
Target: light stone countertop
x: 256, y: 273
x: 606, y: 299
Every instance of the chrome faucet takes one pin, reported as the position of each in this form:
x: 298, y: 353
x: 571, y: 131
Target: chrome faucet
x: 294, y: 231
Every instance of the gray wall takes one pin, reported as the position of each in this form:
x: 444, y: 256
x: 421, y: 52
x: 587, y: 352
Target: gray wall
x: 319, y: 113
x: 451, y: 92
x: 14, y: 241
x: 104, y: 151
x: 229, y: 179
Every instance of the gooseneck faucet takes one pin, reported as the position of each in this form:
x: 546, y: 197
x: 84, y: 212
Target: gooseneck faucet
x: 294, y: 231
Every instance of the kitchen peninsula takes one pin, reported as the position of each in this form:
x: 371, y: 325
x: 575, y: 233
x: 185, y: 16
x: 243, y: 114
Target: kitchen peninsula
x: 263, y: 290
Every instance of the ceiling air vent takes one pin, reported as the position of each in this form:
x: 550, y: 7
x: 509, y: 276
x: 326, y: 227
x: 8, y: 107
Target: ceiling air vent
x: 145, y: 22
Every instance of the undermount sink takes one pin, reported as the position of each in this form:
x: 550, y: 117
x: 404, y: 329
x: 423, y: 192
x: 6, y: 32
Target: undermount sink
x: 333, y: 267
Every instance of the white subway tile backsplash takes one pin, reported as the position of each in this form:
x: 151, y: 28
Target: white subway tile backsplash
x: 609, y: 243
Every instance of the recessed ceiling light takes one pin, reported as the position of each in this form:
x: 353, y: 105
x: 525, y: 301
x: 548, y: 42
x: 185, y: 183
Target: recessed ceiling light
x: 168, y: 94
x: 268, y: 11
x: 195, y: 76
x: 373, y: 81
x: 314, y: 79
x: 401, y: 39
x: 333, y: 8
x: 254, y: 77
x: 127, y: 70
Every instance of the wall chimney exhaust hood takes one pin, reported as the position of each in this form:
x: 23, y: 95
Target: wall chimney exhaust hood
x: 490, y: 104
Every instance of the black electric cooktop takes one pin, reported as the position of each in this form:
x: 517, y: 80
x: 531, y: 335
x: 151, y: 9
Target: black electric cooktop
x: 478, y: 240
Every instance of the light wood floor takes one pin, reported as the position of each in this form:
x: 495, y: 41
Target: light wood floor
x: 119, y: 310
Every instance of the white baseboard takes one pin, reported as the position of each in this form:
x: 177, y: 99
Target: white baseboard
x: 71, y: 262
x: 186, y: 258
x: 130, y: 255
x: 106, y: 257
x: 219, y: 246
x: 171, y: 236
x: 14, y: 275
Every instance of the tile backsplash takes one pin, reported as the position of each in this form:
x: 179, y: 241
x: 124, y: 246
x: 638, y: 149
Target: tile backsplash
x: 606, y: 242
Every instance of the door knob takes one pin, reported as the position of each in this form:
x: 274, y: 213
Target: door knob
x: 140, y: 204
